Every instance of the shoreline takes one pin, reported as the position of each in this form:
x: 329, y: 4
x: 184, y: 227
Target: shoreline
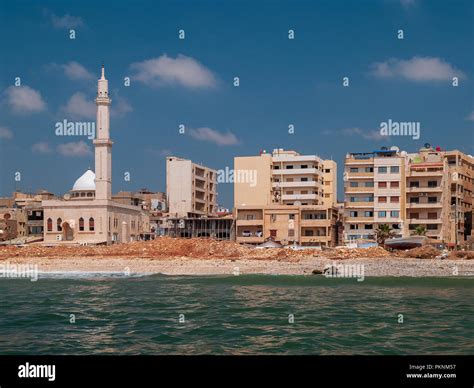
x: 372, y: 267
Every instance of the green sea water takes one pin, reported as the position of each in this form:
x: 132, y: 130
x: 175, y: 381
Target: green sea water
x: 236, y: 315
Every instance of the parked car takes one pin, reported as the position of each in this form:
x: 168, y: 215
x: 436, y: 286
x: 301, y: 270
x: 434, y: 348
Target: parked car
x: 259, y: 233
x: 246, y: 233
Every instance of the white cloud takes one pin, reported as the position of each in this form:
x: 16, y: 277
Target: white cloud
x: 374, y: 135
x: 120, y: 107
x: 75, y: 149
x: 182, y: 70
x: 66, y: 21
x: 5, y: 133
x: 79, y: 107
x: 213, y: 136
x: 41, y: 148
x: 75, y: 71
x: 24, y: 100
x: 416, y: 69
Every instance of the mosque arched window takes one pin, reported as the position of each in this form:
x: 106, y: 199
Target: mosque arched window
x: 49, y: 225
x: 81, y: 224
x: 91, y: 224
x: 59, y: 225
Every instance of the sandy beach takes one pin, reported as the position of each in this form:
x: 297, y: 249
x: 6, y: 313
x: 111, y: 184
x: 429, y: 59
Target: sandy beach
x: 210, y: 257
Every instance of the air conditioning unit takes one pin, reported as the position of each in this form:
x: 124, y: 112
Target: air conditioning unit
x: 59, y: 237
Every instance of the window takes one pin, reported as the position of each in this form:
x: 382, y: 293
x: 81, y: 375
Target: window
x: 304, y: 179
x: 369, y: 184
x: 382, y: 199
x: 432, y: 184
x: 353, y: 214
x: 432, y: 227
x: 276, y: 167
x: 353, y: 226
x: 291, y: 233
x: 394, y: 199
x: 290, y: 167
x: 354, y: 184
x: 369, y: 169
x: 368, y: 214
x: 382, y: 214
x: 327, y: 170
x: 291, y: 216
x: 382, y: 170
x: 394, y: 214
x: 432, y: 216
x: 354, y: 169
x: 59, y: 225
x: 394, y: 169
x: 304, y: 166
x: 432, y: 199
x: 382, y: 184
x: 414, y: 200
x: 368, y: 226
x: 414, y: 184
x: 414, y: 216
x: 394, y: 185
x: 49, y: 224
x: 250, y: 217
x: 91, y: 224
x: 81, y: 224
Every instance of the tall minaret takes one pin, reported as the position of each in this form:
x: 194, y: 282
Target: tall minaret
x: 102, y: 142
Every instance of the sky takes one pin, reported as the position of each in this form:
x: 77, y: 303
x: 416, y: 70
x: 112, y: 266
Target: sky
x: 47, y: 77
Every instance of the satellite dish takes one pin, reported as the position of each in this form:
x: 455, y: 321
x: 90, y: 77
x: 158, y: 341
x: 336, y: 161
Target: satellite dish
x: 394, y: 148
x: 427, y: 145
x: 403, y: 153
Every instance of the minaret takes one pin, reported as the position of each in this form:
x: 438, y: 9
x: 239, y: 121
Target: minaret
x: 102, y: 142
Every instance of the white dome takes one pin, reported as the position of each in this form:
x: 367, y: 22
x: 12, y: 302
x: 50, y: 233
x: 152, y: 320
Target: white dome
x: 85, y: 182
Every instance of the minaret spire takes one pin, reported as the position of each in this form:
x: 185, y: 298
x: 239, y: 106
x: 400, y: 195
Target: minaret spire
x: 102, y: 142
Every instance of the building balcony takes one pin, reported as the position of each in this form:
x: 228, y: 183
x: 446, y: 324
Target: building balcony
x: 361, y: 190
x: 315, y: 239
x: 356, y: 220
x: 424, y: 221
x: 369, y: 162
x: 250, y: 240
x: 249, y: 222
x: 315, y: 223
x: 299, y: 197
x: 424, y: 205
x: 360, y: 175
x: 436, y: 189
x: 297, y: 171
x: 416, y: 174
x: 356, y: 205
x: 296, y: 158
x: 296, y: 184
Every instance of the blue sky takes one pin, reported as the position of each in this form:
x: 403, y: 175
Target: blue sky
x: 190, y: 82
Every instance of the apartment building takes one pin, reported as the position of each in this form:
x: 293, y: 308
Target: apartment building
x: 191, y: 189
x: 373, y: 187
x: 286, y: 201
x: 428, y: 194
x: 461, y: 167
x: 430, y: 188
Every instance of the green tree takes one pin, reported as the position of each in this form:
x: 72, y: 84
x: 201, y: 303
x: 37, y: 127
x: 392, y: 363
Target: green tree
x: 420, y: 230
x: 383, y: 232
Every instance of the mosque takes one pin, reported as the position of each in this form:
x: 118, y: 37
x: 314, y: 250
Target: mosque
x: 87, y: 214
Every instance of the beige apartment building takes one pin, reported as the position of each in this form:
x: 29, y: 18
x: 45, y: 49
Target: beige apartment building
x: 431, y: 188
x: 285, y: 201
x: 191, y: 189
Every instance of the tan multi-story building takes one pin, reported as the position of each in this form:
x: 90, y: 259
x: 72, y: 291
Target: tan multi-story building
x: 373, y: 187
x: 461, y: 167
x: 281, y: 196
x: 431, y: 189
x: 191, y: 189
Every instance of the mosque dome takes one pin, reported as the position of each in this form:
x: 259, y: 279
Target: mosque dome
x: 86, y: 182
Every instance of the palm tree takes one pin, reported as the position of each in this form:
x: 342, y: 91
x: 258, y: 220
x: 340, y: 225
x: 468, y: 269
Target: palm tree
x: 383, y: 232
x: 420, y: 230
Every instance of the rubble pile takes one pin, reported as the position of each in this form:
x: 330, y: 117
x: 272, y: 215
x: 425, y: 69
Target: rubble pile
x: 342, y: 253
x: 424, y: 252
x: 466, y: 255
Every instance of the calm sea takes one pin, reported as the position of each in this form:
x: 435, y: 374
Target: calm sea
x: 235, y: 315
